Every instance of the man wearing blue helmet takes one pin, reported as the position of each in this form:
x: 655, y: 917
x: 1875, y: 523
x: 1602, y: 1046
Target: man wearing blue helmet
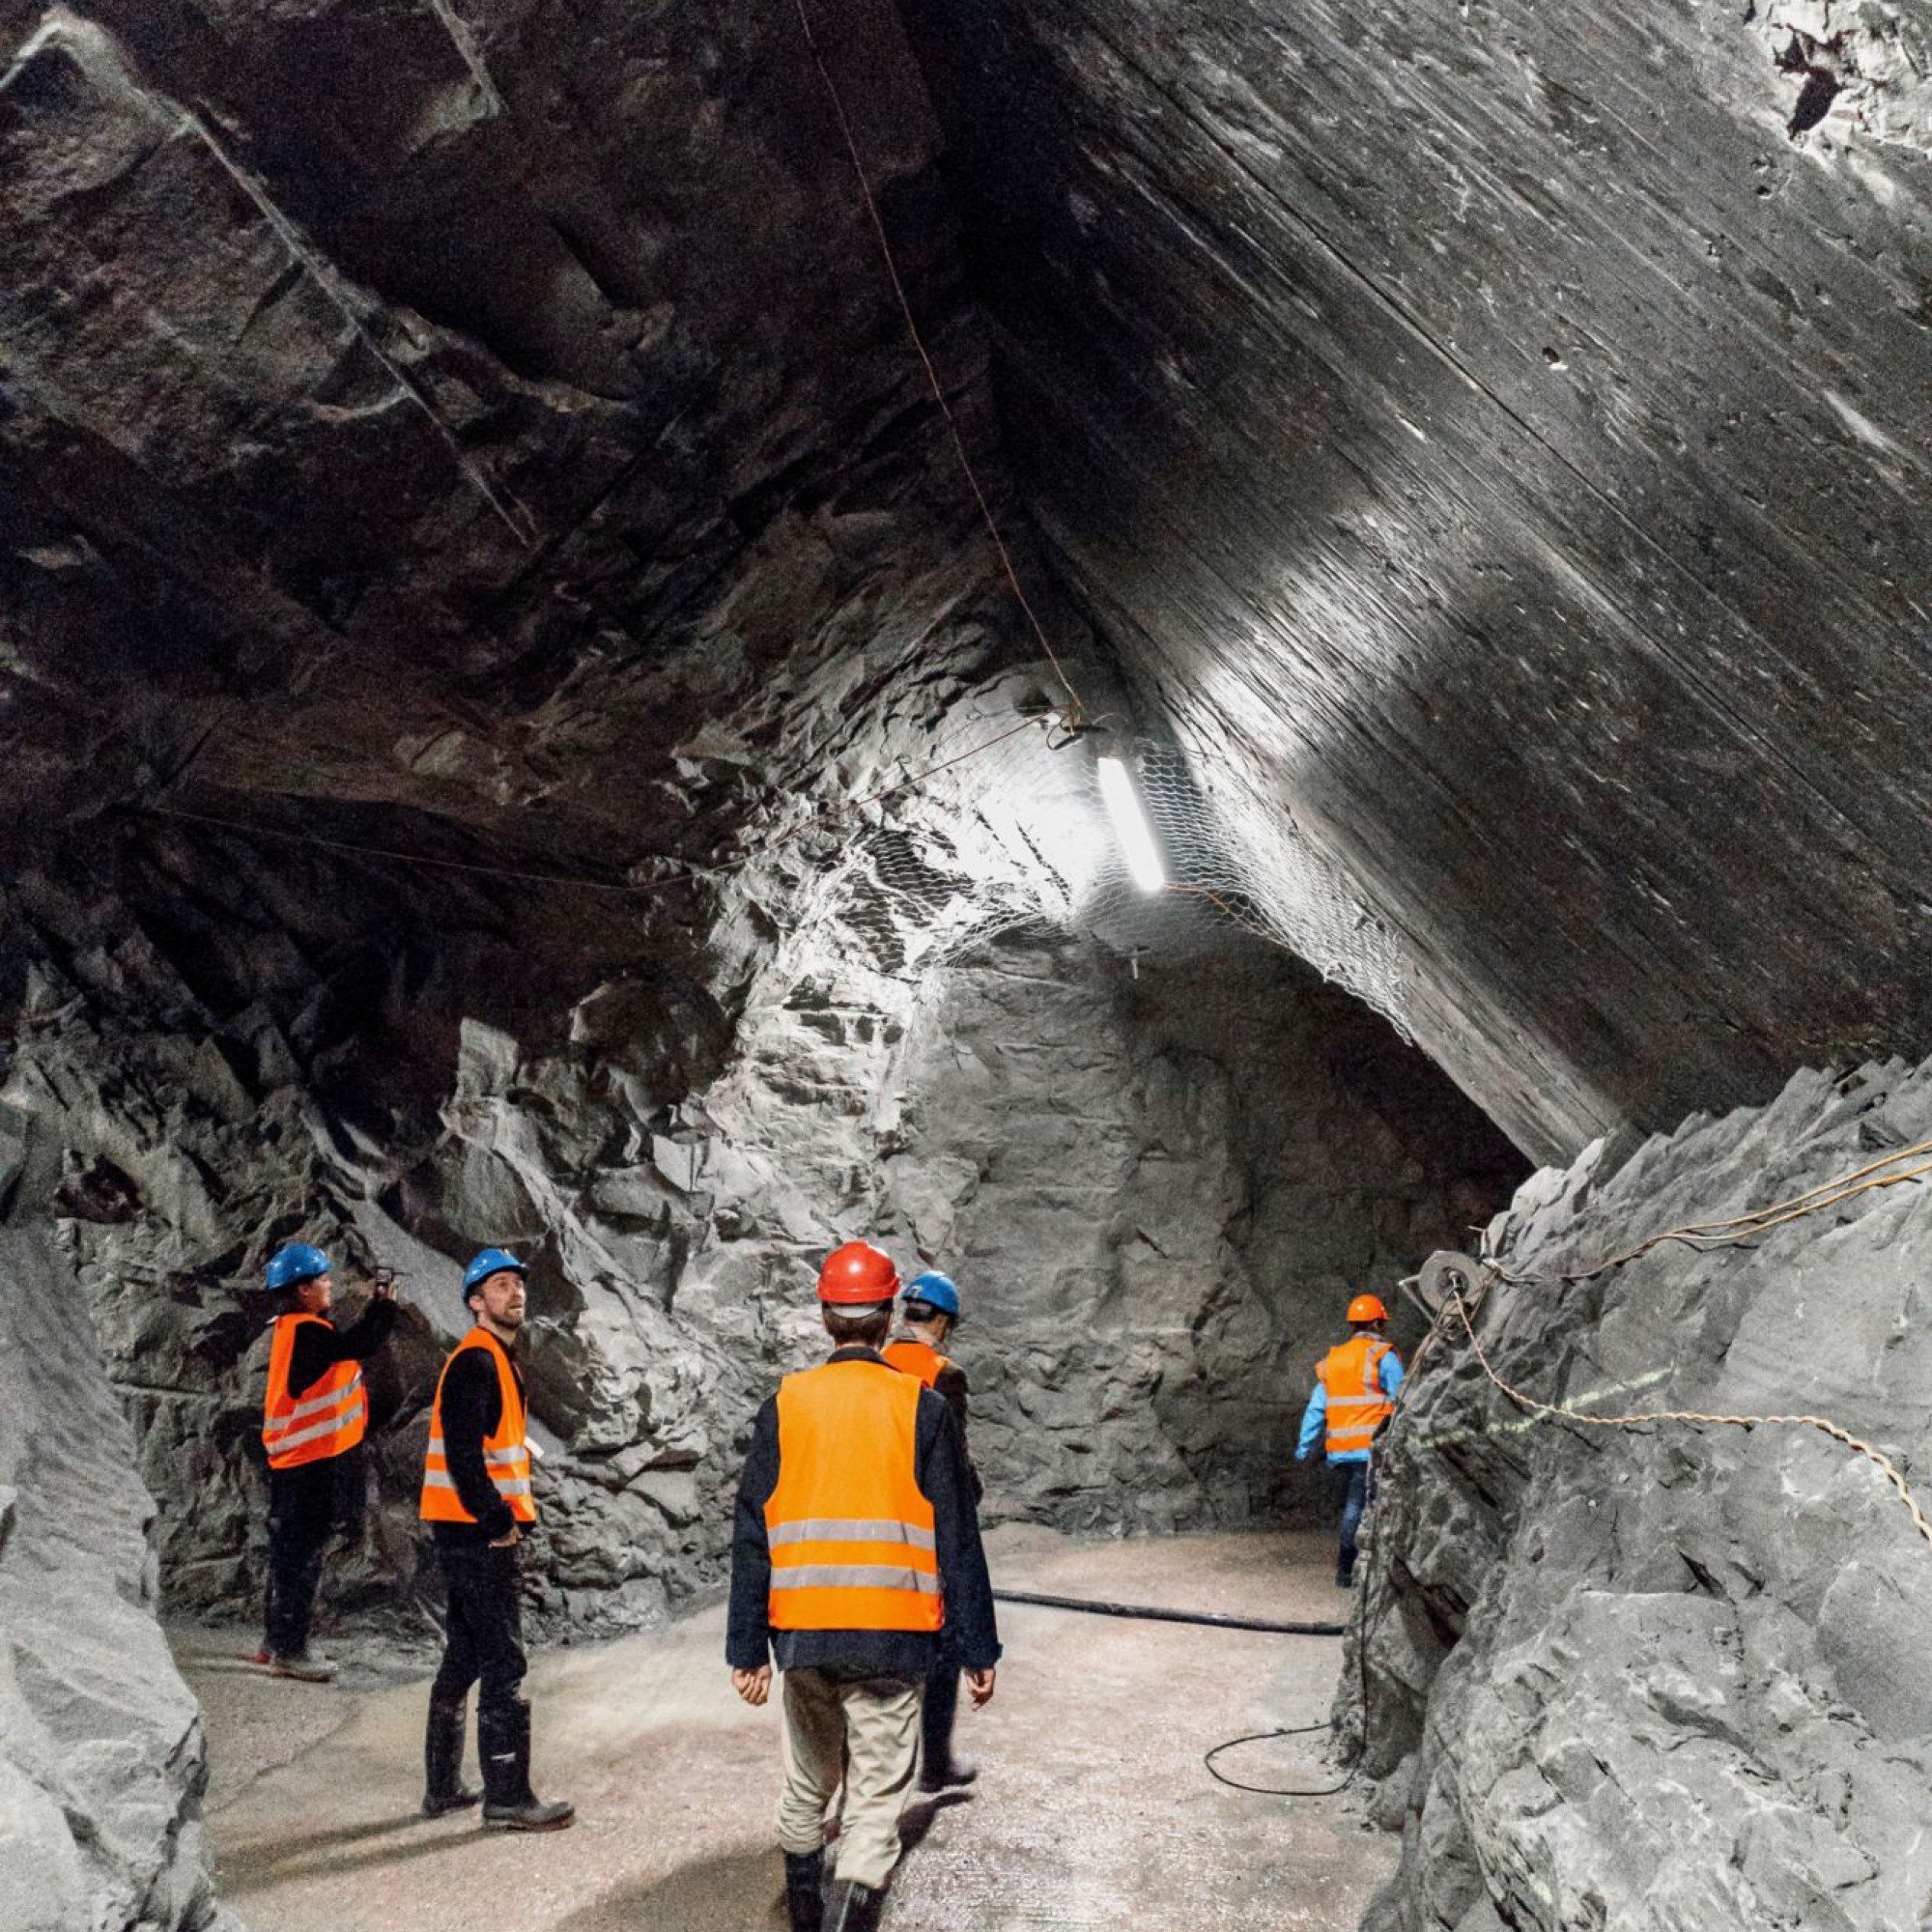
x: 314, y: 1416
x: 477, y: 1497
x: 928, y: 1313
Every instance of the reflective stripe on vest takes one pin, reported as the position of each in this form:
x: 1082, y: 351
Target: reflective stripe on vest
x: 506, y: 1453
x: 851, y: 1533
x: 332, y: 1415
x: 916, y: 1357
x: 1357, y: 1407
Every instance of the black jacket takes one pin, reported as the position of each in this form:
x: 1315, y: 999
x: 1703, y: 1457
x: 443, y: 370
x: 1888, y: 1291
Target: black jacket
x: 319, y: 1346
x: 473, y: 1407
x: 940, y: 1470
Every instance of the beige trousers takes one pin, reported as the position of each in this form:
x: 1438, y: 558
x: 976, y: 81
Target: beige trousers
x: 865, y: 1731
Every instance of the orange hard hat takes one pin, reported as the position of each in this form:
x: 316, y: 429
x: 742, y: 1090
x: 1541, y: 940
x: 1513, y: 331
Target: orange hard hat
x: 1367, y: 1307
x: 856, y: 1274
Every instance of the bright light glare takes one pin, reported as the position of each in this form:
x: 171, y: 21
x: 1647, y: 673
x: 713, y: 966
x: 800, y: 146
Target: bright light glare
x: 1130, y: 826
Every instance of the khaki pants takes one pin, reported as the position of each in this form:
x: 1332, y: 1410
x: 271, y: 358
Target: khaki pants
x: 865, y: 1731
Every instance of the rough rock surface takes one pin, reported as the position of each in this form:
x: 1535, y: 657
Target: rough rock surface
x: 1672, y: 1677
x: 1497, y: 434
x: 1155, y: 1185
x: 102, y: 1765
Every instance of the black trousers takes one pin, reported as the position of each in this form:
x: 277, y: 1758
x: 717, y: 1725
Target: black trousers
x: 483, y: 1642
x: 307, y: 1506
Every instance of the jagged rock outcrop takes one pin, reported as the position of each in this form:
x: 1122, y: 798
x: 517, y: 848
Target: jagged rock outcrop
x: 102, y: 1767
x: 1669, y: 1677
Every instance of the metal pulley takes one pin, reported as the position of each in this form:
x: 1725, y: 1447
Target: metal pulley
x: 1446, y: 1275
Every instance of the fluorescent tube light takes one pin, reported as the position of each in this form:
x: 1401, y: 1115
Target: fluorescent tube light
x: 1130, y: 826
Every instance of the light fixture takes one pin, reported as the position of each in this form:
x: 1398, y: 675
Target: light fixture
x: 1130, y: 826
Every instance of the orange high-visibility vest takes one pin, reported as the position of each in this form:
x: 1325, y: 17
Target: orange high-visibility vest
x: 506, y: 1451
x: 1356, y: 1405
x: 850, y: 1530
x: 331, y: 1416
x: 917, y: 1359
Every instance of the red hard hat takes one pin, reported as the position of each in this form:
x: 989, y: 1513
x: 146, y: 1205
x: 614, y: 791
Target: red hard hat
x: 1367, y: 1307
x: 856, y: 1274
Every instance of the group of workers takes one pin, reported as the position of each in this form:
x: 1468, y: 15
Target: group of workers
x: 857, y: 1570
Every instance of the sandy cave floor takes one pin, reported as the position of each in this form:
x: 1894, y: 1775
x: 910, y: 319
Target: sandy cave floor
x: 1093, y: 1812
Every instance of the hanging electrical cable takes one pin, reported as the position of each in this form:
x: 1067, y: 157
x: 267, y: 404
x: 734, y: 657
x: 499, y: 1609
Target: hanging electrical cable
x: 1076, y: 711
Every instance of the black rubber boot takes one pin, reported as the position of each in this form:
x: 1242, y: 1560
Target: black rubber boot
x: 805, y: 1889
x: 443, y: 1789
x: 938, y: 1768
x: 852, y: 1907
x: 509, y: 1805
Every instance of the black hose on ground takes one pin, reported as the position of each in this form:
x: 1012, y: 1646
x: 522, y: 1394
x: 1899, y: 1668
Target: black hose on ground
x: 1273, y: 1790
x: 1213, y: 1619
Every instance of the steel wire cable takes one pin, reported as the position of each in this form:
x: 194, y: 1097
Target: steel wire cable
x: 1823, y: 1425
x: 1704, y: 1236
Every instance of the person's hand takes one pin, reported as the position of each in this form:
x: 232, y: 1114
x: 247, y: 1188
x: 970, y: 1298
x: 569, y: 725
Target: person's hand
x: 979, y: 1687
x: 754, y: 1686
x: 383, y: 1284
x: 505, y: 1541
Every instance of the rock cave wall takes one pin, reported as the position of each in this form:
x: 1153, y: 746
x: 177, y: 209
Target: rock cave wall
x: 1157, y: 1183
x: 102, y: 1762
x: 1496, y: 437
x: 1673, y: 1677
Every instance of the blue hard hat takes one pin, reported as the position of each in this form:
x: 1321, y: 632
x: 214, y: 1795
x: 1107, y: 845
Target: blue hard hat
x: 294, y: 1264
x: 492, y: 1261
x: 935, y: 1290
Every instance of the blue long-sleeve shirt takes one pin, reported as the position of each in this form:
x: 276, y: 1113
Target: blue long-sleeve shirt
x: 1314, y: 1417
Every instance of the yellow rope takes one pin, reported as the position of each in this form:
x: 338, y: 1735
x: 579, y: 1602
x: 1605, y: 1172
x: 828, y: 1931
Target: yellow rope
x: 1884, y: 1464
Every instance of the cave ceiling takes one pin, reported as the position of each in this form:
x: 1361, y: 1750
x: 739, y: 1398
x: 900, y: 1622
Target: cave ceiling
x: 1487, y: 440
x: 1497, y: 434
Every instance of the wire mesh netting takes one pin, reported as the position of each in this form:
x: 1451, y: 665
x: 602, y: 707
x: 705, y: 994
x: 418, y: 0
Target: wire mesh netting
x: 998, y: 828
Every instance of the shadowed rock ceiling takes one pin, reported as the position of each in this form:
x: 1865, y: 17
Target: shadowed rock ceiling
x: 1497, y: 434
x: 1490, y: 438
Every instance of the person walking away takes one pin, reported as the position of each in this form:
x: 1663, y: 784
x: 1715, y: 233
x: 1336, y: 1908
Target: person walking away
x: 1355, y: 1394
x: 476, y: 1496
x: 315, y: 1413
x: 929, y: 1313
x: 854, y: 1541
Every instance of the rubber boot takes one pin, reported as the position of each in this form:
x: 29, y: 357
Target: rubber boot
x: 509, y: 1805
x: 443, y: 1789
x: 852, y: 1907
x: 938, y: 1768
x: 805, y: 1889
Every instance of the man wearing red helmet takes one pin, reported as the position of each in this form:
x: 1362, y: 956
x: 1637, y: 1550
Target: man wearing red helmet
x: 1355, y: 1384
x: 855, y: 1541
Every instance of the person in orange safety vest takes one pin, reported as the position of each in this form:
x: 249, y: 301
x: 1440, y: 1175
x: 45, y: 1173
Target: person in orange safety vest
x: 1355, y: 1386
x: 315, y: 1413
x: 929, y: 1313
x: 477, y: 1500
x: 856, y: 1542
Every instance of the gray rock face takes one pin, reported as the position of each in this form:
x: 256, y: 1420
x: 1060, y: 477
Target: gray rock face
x: 1157, y: 1191
x: 101, y: 1766
x: 1494, y: 435
x: 1160, y: 1193
x: 1670, y: 1677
